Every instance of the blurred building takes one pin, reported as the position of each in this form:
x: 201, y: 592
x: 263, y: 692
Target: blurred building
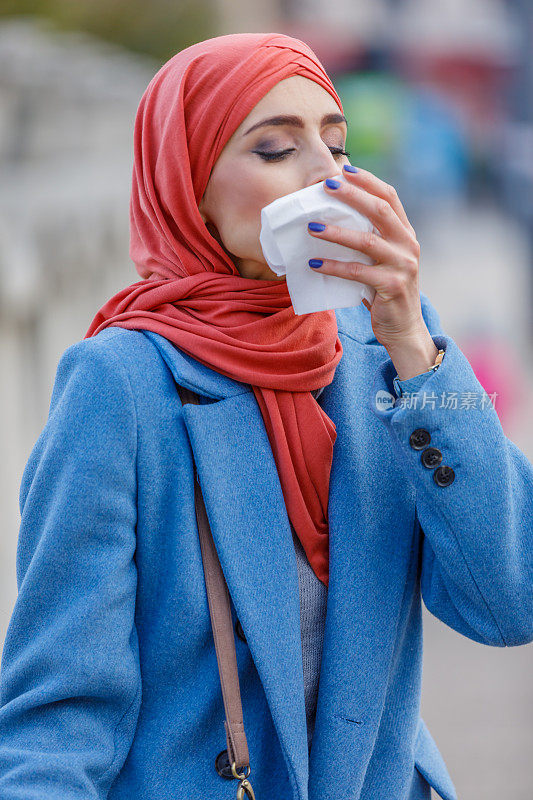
x: 67, y: 107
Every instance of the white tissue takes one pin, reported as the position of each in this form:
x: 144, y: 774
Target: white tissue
x: 287, y: 246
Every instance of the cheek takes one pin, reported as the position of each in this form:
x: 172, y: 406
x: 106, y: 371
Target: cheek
x: 241, y: 193
x: 246, y: 192
x: 240, y: 189
x: 264, y: 184
x: 244, y: 187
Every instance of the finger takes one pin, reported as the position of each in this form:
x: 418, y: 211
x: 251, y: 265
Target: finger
x: 374, y: 185
x: 383, y: 278
x: 368, y: 242
x: 378, y: 210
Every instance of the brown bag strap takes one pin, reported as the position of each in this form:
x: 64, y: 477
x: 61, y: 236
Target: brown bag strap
x: 222, y: 624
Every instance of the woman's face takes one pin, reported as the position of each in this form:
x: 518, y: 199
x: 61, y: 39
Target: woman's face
x: 243, y: 179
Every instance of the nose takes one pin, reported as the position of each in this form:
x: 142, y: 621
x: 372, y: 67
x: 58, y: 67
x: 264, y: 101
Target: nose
x: 325, y: 165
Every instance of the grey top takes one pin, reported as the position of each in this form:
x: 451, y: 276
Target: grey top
x: 313, y: 597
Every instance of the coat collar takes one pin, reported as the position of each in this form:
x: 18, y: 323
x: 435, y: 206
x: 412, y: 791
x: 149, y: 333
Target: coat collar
x: 209, y: 383
x: 253, y: 538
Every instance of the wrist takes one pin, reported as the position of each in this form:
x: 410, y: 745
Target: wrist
x: 413, y: 357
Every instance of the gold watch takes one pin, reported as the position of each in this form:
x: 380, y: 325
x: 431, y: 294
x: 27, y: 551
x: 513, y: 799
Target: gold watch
x: 437, y: 362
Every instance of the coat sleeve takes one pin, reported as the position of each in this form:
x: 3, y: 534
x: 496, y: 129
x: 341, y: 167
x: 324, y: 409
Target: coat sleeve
x: 70, y: 685
x: 476, y: 530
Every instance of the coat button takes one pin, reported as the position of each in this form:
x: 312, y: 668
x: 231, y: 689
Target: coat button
x: 239, y: 630
x: 431, y: 457
x: 444, y: 475
x: 419, y: 439
x: 222, y: 765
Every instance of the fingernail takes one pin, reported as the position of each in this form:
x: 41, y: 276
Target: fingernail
x: 331, y: 184
x: 316, y: 226
x: 349, y: 168
x: 315, y: 262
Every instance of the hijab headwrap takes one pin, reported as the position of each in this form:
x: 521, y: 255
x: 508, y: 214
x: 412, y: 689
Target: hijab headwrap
x: 193, y: 294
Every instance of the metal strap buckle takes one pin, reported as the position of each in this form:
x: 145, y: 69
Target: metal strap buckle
x: 245, y: 787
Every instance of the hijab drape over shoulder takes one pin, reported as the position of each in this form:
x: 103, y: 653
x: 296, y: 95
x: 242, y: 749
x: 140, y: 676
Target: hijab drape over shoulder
x: 193, y: 294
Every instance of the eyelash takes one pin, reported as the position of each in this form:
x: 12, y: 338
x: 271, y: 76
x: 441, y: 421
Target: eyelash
x: 280, y: 155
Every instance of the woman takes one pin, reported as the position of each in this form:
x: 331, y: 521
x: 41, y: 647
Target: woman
x: 109, y: 683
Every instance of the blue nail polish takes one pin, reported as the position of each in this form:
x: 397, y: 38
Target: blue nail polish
x: 331, y: 184
x: 349, y: 168
x: 316, y: 226
x: 315, y: 262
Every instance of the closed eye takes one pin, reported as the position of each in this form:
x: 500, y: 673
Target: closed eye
x: 280, y: 155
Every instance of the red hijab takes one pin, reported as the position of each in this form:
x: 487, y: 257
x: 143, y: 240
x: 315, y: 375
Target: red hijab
x: 195, y: 297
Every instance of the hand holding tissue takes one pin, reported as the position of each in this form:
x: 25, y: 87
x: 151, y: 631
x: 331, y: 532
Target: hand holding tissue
x: 287, y: 247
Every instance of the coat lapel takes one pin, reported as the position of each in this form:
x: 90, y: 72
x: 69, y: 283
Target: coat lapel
x: 252, y: 535
x: 368, y: 570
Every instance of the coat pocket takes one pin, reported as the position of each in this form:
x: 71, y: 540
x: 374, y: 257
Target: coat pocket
x: 429, y: 762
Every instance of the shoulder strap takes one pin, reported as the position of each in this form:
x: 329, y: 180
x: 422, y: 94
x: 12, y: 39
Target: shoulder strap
x: 222, y: 624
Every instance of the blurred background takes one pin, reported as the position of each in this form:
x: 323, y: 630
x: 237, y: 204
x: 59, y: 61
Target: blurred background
x: 439, y: 100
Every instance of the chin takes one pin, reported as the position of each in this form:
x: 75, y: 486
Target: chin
x: 270, y: 275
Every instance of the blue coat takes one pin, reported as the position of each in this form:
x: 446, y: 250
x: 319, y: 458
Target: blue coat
x: 109, y: 680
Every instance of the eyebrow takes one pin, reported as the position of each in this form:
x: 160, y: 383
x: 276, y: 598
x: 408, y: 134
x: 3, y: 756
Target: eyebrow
x: 289, y: 119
